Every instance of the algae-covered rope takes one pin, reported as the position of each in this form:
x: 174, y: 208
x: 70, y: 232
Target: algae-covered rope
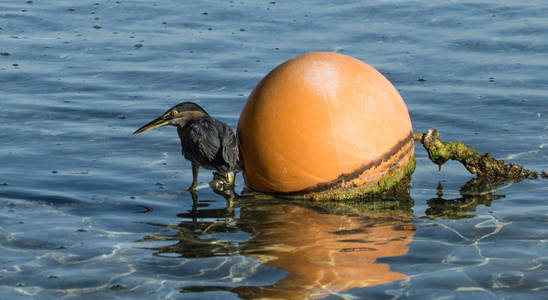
x: 483, y: 165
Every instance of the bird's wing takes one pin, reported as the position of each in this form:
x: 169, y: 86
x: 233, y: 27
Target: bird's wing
x: 231, y: 155
x: 201, y: 141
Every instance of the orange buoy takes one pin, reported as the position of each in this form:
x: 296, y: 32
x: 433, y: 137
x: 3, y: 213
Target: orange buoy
x: 325, y: 125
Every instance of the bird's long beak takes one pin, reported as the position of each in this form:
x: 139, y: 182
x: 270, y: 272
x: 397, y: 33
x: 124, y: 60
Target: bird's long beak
x: 159, y: 122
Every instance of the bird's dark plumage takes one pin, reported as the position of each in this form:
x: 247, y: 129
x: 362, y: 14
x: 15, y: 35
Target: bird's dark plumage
x: 206, y: 142
x: 210, y: 144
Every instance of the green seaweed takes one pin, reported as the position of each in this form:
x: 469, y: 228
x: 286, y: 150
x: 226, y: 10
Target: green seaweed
x: 388, y: 187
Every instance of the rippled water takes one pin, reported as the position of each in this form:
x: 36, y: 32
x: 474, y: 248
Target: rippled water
x: 89, y: 210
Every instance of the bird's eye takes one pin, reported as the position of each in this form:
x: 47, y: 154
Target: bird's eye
x: 173, y: 113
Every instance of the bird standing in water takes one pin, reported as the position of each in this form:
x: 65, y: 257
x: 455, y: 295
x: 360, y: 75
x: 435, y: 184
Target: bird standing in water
x: 206, y: 142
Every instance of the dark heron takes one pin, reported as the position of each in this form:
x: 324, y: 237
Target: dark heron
x: 206, y: 142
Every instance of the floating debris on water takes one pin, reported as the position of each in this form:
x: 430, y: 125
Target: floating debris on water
x: 440, y: 152
x: 117, y: 287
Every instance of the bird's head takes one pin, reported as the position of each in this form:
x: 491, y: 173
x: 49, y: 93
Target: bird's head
x: 178, y: 115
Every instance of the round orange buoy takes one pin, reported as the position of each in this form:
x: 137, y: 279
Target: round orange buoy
x: 325, y: 125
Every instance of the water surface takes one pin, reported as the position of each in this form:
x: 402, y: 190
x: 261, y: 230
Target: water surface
x: 88, y: 210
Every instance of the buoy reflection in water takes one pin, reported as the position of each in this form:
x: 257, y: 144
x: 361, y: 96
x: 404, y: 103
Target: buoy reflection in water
x: 325, y: 248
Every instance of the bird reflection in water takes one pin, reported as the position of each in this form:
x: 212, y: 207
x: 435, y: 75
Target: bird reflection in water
x: 325, y: 247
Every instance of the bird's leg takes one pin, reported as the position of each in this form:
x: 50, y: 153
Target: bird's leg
x: 218, y: 182
x: 230, y: 178
x: 226, y: 179
x: 195, y: 169
x: 222, y: 181
x: 194, y: 198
